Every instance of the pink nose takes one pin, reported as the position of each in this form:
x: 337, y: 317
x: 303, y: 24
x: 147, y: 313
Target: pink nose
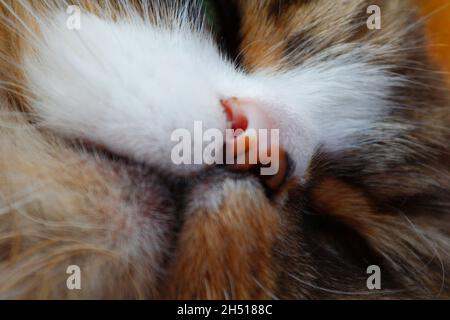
x: 248, y: 119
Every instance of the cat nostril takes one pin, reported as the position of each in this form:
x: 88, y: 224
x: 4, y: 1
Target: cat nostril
x: 253, y: 143
x: 235, y: 115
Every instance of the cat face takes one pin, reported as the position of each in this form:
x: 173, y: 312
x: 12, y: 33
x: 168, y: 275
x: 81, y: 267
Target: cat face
x: 88, y: 176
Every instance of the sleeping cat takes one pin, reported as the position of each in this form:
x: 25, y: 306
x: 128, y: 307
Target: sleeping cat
x: 87, y: 179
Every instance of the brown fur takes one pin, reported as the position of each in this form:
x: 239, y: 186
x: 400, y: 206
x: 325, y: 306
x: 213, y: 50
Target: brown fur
x: 230, y: 256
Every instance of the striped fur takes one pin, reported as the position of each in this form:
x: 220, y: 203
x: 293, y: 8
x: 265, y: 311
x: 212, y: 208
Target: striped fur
x: 138, y: 232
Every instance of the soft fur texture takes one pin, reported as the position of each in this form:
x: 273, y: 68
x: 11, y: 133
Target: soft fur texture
x: 363, y: 116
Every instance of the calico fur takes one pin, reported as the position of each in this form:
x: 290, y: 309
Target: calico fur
x: 371, y: 184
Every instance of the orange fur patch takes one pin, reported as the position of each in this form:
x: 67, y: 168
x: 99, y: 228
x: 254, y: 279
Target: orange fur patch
x: 438, y: 13
x: 227, y: 254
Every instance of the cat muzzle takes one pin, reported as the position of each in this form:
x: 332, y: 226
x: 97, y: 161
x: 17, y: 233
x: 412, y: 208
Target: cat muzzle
x: 254, y: 143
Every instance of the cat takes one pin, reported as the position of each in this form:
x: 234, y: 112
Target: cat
x: 87, y: 180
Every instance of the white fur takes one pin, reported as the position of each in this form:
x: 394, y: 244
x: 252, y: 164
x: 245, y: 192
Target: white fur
x: 129, y: 85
